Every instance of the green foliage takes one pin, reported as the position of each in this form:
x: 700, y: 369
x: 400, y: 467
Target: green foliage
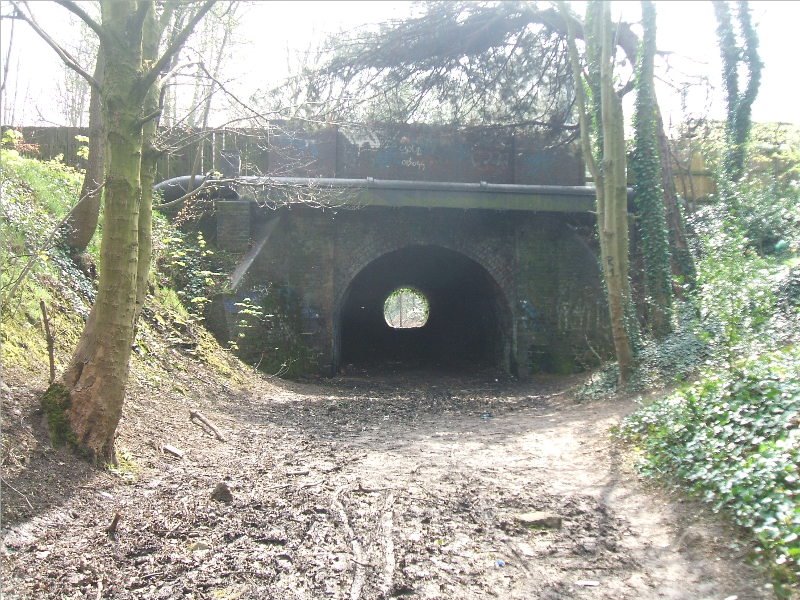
x: 32, y: 264
x: 463, y: 63
x: 55, y: 185
x: 126, y: 467
x: 195, y: 271
x: 83, y: 149
x: 733, y: 439
x: 11, y: 138
x: 765, y: 202
x: 736, y: 299
x: 406, y: 308
x: 269, y: 332
x: 661, y: 362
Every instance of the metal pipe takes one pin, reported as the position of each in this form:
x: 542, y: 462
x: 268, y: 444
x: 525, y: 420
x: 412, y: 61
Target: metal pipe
x: 178, y: 186
x: 174, y: 188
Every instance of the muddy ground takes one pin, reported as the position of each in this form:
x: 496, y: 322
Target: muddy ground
x: 409, y: 485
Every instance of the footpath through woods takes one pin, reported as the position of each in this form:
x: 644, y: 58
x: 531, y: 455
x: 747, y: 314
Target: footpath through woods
x: 421, y: 486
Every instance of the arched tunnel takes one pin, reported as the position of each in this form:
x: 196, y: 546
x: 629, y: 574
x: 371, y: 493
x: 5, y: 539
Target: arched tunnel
x: 468, y: 325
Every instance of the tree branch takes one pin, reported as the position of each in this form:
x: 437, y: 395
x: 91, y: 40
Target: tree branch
x: 83, y: 16
x: 150, y: 77
x: 174, y: 70
x: 153, y: 115
x: 140, y: 15
x: 65, y: 56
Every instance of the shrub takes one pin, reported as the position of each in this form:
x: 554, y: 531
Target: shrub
x: 733, y: 438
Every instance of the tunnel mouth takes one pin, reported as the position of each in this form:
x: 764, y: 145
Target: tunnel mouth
x: 467, y: 326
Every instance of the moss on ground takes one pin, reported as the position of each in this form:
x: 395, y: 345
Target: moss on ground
x: 56, y: 403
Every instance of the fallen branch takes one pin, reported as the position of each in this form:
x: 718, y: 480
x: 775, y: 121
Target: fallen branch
x: 388, y: 546
x: 194, y: 414
x: 50, y: 342
x: 358, y: 556
x: 172, y: 450
x: 13, y: 489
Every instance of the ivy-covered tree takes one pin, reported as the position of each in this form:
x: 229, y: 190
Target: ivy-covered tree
x: 648, y: 190
x: 739, y: 53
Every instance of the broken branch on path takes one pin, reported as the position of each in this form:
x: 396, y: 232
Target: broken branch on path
x: 194, y: 414
x: 358, y: 556
x: 388, y: 546
x: 12, y: 488
x: 172, y: 450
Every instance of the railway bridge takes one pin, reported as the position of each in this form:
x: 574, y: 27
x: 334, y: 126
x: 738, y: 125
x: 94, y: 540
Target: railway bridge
x: 487, y: 237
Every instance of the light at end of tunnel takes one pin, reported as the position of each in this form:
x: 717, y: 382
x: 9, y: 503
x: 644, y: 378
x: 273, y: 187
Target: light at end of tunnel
x: 406, y: 308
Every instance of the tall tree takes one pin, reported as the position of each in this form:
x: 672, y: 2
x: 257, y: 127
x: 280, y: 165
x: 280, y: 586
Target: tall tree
x: 646, y: 168
x: 604, y: 150
x: 737, y: 55
x: 92, y: 389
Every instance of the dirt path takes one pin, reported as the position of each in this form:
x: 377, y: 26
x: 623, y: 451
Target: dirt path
x: 374, y: 488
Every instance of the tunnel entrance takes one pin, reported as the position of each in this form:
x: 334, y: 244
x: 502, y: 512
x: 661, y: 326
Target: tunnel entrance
x: 467, y: 325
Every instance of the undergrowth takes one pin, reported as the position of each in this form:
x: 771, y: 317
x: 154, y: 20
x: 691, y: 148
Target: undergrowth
x: 731, y: 436
x: 35, y: 197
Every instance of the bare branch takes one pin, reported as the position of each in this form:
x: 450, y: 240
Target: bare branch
x: 83, y: 16
x: 174, y: 70
x: 65, y: 56
x: 8, y: 57
x: 150, y: 116
x: 232, y: 96
x: 150, y: 77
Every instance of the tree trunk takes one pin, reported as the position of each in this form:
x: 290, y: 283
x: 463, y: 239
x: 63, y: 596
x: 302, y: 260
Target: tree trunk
x: 614, y: 222
x: 98, y: 372
x: 80, y: 227
x: 681, y: 256
x: 150, y: 156
x: 610, y: 181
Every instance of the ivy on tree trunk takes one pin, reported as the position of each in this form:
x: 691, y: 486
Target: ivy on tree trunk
x: 739, y: 103
x: 649, y: 193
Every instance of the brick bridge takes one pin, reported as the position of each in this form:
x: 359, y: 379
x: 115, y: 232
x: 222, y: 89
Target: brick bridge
x: 495, y: 231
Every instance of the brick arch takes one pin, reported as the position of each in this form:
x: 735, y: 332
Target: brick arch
x: 368, y: 251
x: 490, y: 263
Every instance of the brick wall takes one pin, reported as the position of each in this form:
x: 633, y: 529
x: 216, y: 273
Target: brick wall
x: 546, y: 274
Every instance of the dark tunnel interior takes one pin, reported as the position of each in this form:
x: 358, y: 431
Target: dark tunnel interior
x: 468, y: 324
